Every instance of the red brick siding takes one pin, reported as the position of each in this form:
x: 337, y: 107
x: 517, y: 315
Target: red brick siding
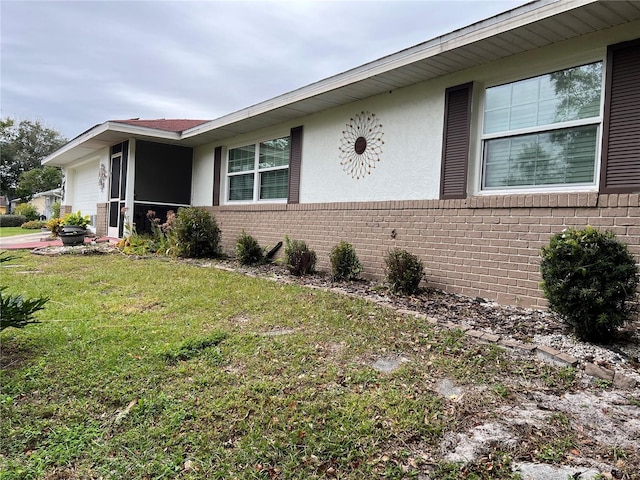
x: 481, y: 246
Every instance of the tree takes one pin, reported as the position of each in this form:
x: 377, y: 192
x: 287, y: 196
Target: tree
x: 23, y: 145
x: 38, y: 180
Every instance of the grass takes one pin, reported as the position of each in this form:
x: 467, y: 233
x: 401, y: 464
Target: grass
x: 12, y: 231
x: 164, y: 369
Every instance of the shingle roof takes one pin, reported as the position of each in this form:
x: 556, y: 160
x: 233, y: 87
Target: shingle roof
x: 169, y: 125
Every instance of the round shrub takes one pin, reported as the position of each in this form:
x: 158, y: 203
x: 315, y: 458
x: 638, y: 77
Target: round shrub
x: 300, y: 260
x: 404, y: 271
x: 195, y: 233
x: 12, y: 220
x: 588, y: 277
x: 33, y: 225
x: 248, y: 251
x: 345, y: 264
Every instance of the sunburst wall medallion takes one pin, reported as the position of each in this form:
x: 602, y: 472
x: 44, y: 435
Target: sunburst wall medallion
x: 361, y: 145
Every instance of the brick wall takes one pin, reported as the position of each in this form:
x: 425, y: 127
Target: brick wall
x: 64, y: 209
x: 101, y: 219
x: 481, y: 246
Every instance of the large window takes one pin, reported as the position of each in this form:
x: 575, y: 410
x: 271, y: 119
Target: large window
x: 259, y: 171
x: 543, y: 131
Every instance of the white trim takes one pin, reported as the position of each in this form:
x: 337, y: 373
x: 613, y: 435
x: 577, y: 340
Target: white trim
x: 478, y: 150
x: 255, y: 171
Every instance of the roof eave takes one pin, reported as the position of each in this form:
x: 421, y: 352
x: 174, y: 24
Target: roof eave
x: 503, y: 22
x: 102, y: 136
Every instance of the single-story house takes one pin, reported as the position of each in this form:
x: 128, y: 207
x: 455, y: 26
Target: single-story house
x: 43, y: 201
x: 469, y: 150
x: 4, y: 204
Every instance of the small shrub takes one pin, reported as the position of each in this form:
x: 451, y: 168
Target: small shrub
x: 29, y: 211
x: 12, y: 220
x: 248, y: 251
x: 33, y: 225
x: 404, y: 271
x: 588, y: 277
x: 344, y: 262
x: 300, y: 260
x: 195, y: 233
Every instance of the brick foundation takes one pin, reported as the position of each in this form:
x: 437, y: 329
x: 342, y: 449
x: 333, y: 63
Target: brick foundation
x: 64, y: 209
x: 101, y: 219
x: 486, y: 246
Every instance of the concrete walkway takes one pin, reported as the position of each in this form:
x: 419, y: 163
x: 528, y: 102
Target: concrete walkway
x: 30, y: 241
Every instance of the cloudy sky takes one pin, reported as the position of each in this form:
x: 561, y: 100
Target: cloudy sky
x: 75, y: 64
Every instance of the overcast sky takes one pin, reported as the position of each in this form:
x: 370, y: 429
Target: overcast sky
x: 73, y: 65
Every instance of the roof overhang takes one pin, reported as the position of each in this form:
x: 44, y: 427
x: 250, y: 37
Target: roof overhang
x: 528, y: 27
x: 105, y: 135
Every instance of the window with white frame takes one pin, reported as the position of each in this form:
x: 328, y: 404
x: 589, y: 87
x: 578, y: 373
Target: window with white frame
x: 259, y: 171
x: 543, y: 131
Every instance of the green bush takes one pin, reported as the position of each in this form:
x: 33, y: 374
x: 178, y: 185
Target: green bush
x: 29, y: 211
x: 55, y: 209
x: 345, y: 264
x: 300, y: 260
x: 588, y: 278
x: 12, y: 220
x: 248, y: 250
x: 76, y: 220
x: 195, y: 233
x: 33, y: 225
x: 404, y: 271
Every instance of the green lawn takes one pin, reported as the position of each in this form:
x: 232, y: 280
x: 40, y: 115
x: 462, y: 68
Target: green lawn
x: 157, y: 368
x: 11, y: 231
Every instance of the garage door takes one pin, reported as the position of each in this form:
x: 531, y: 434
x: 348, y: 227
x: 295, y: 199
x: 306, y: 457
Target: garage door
x: 85, y: 189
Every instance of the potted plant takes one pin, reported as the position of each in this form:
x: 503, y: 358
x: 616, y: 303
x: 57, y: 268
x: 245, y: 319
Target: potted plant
x: 74, y: 228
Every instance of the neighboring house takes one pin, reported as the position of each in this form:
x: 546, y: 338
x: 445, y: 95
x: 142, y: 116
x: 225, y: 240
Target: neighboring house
x: 469, y: 150
x: 43, y: 201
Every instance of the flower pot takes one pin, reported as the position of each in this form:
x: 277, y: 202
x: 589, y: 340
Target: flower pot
x: 72, y: 235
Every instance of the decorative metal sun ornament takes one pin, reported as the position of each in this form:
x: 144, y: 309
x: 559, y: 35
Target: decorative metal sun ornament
x: 102, y: 177
x: 361, y: 145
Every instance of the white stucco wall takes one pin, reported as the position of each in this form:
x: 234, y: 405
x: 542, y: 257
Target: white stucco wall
x: 202, y: 179
x: 412, y: 123
x: 409, y: 165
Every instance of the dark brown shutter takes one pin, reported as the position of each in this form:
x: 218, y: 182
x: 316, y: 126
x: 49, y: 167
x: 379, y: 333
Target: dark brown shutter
x: 620, y: 172
x: 455, y: 144
x: 217, y: 162
x: 295, y: 162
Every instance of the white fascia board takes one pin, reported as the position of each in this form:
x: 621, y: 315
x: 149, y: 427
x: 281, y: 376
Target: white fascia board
x: 503, y: 22
x: 76, y: 142
x: 93, y: 133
